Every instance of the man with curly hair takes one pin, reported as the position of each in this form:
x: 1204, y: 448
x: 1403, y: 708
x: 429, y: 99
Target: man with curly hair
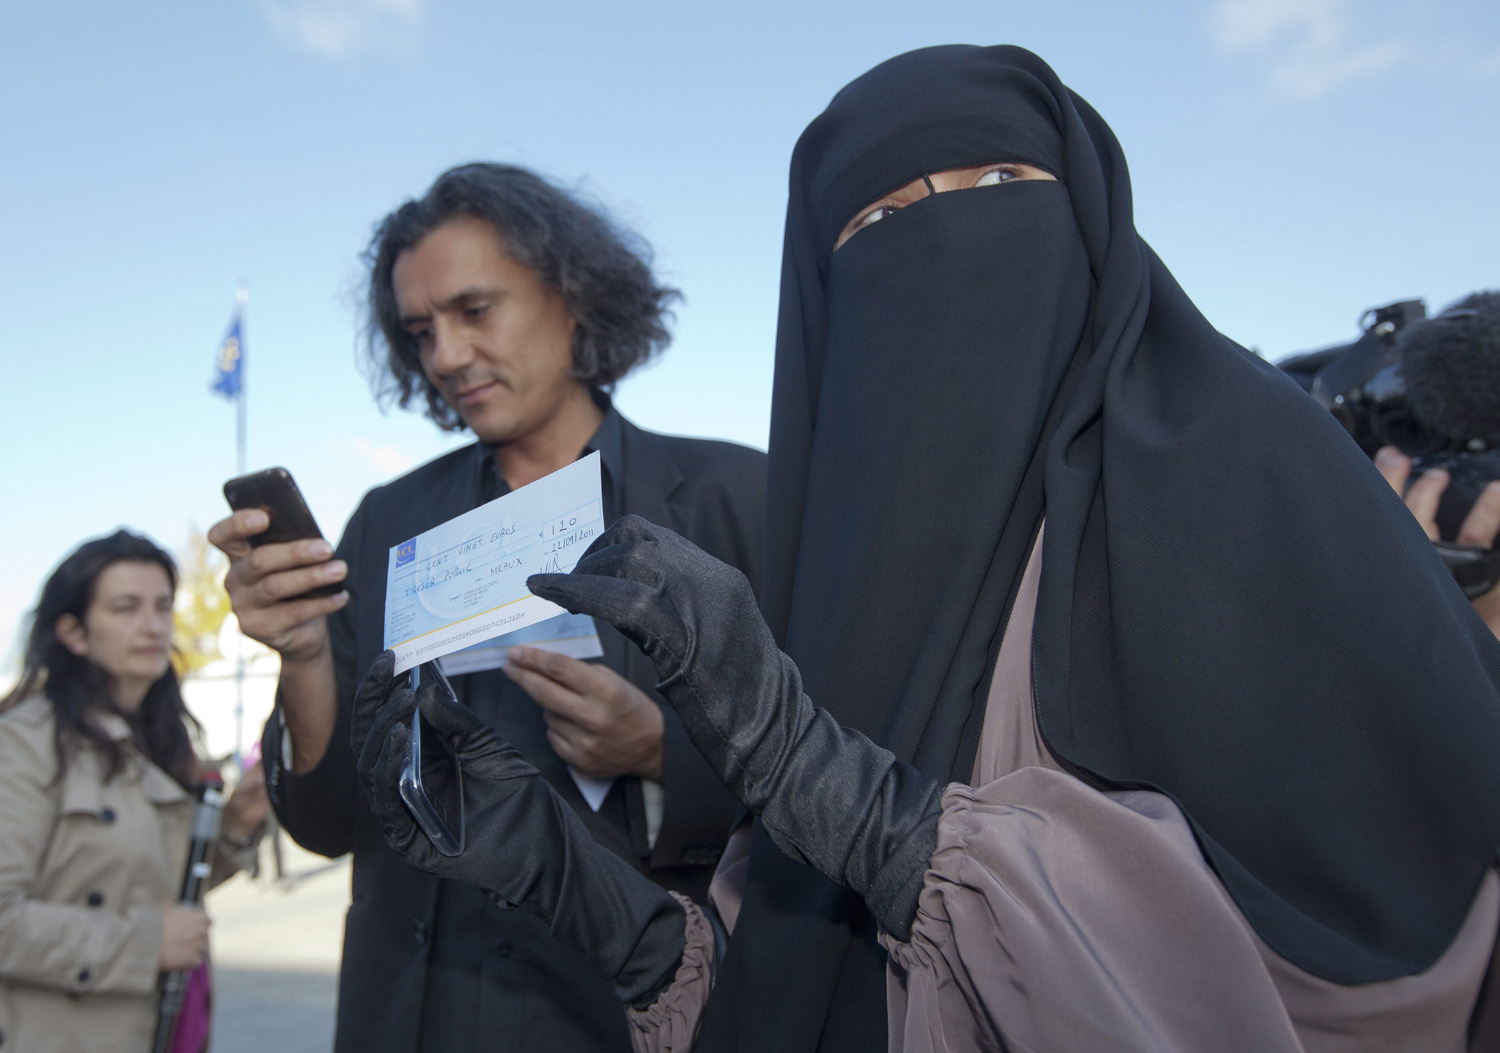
x: 504, y: 306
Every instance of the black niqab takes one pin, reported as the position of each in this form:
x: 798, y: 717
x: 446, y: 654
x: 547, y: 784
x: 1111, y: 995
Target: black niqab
x: 1235, y: 610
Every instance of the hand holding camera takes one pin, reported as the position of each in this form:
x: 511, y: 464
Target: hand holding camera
x: 1477, y: 532
x: 1422, y: 397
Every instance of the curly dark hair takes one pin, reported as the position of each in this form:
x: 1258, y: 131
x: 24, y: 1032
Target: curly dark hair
x: 76, y: 685
x: 602, y: 272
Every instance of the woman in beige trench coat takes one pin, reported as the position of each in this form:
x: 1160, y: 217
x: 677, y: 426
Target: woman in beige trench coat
x: 95, y: 762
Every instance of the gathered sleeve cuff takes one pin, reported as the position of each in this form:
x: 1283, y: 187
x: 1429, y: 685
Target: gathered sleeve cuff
x: 670, y: 1024
x: 1057, y: 917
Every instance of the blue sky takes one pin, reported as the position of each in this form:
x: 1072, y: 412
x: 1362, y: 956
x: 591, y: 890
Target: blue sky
x: 1294, y: 162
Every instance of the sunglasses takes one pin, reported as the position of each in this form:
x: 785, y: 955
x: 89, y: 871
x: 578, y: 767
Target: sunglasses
x: 432, y: 780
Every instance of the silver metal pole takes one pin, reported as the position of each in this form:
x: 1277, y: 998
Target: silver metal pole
x: 241, y: 301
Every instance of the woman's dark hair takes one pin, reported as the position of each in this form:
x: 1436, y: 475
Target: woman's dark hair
x: 603, y: 274
x: 74, y: 684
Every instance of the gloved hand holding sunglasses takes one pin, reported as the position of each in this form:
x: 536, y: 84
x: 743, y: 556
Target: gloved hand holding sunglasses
x: 828, y: 796
x: 518, y: 839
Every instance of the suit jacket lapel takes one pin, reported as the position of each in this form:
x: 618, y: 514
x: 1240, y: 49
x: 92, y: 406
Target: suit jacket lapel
x: 650, y: 480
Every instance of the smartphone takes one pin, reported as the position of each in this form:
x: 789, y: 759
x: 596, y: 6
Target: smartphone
x: 275, y: 493
x: 432, y: 781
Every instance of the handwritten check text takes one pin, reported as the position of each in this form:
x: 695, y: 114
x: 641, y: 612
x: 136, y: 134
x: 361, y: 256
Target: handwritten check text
x: 464, y: 581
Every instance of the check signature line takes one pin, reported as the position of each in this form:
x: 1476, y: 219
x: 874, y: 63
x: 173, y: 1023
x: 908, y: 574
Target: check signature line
x: 449, y: 625
x: 531, y: 643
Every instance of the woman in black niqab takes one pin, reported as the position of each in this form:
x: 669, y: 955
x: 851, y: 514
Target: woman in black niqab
x: 1234, y: 609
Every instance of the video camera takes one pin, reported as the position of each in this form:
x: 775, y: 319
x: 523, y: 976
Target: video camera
x: 1431, y: 388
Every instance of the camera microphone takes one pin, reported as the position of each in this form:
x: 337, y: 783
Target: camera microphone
x: 1450, y: 369
x: 1431, y: 388
x: 1451, y: 365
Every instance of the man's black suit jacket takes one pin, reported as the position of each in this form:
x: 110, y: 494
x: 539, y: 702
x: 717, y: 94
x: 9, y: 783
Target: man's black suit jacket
x: 710, y: 492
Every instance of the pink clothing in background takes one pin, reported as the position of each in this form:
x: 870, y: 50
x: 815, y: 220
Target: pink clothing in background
x: 191, y: 1034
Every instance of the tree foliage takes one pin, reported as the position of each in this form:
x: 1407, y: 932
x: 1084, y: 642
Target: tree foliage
x: 201, y: 604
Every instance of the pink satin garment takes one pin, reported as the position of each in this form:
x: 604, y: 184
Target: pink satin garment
x: 1056, y: 917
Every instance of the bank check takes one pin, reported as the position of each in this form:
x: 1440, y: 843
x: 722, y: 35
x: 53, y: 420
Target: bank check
x: 464, y: 582
x: 574, y: 635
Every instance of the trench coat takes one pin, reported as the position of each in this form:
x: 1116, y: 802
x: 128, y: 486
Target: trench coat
x: 84, y: 866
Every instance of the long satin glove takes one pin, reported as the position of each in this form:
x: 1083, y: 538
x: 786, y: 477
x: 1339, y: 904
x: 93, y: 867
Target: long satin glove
x: 827, y: 795
x: 524, y: 843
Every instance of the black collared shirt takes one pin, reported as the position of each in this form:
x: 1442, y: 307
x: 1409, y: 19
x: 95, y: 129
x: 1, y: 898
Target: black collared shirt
x: 495, y: 975
x: 488, y: 484
x: 436, y: 966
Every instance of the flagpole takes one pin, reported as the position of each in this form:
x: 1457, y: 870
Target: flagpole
x: 241, y: 301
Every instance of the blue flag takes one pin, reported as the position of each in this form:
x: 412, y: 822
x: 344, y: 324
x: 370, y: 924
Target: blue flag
x: 230, y: 365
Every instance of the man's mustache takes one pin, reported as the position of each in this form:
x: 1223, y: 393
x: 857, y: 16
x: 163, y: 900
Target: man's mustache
x: 455, y: 384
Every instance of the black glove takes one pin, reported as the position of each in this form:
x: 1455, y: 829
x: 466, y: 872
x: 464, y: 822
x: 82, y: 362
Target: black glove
x: 828, y: 796
x: 524, y: 844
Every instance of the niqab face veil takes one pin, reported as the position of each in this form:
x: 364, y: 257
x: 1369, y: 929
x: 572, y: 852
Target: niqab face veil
x: 1234, y: 609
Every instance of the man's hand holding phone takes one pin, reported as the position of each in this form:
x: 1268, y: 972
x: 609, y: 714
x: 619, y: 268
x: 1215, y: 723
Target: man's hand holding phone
x: 268, y: 585
x: 272, y: 586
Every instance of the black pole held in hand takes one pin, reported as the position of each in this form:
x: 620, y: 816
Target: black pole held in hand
x: 205, y: 835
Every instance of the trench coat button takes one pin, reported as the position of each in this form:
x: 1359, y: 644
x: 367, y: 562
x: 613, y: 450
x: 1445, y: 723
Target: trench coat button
x: 84, y: 976
x: 419, y: 931
x: 108, y: 815
x: 96, y: 898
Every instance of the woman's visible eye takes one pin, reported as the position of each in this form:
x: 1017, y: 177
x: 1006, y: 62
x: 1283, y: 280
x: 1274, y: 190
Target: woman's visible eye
x: 874, y: 215
x: 474, y: 312
x: 995, y: 176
